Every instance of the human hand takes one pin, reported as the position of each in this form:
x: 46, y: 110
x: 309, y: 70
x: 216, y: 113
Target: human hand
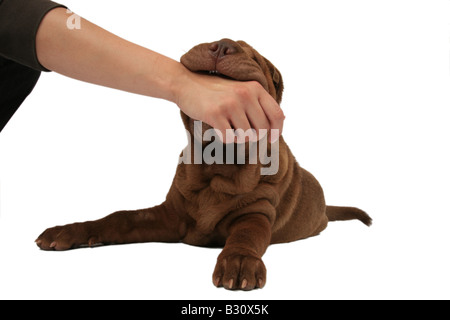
x: 226, y: 104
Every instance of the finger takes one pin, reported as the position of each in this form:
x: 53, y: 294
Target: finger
x: 242, y: 127
x: 274, y: 114
x: 258, y: 121
x: 224, y: 131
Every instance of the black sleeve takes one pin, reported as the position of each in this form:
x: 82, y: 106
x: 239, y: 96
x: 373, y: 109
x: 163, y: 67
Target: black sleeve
x: 19, y: 66
x: 16, y: 83
x: 19, y: 22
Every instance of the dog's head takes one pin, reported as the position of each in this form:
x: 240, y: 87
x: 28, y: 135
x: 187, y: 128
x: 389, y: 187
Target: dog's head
x: 236, y: 61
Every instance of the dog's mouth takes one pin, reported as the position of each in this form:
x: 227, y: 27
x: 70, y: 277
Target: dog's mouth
x: 239, y: 74
x: 215, y: 73
x: 225, y: 59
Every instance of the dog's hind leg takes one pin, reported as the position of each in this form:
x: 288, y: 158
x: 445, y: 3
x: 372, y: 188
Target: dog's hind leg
x: 157, y: 224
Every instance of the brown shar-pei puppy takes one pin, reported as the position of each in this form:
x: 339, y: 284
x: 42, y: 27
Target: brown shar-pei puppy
x: 229, y: 205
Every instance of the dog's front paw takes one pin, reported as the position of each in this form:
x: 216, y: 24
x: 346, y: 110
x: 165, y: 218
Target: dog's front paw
x: 239, y: 272
x: 67, y: 237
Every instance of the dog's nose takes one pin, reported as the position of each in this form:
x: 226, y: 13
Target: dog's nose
x: 223, y: 48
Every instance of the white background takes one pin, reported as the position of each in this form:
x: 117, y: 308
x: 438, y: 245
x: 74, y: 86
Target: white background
x: 367, y: 104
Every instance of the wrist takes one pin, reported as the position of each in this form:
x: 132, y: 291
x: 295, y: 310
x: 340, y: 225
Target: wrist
x: 177, y: 83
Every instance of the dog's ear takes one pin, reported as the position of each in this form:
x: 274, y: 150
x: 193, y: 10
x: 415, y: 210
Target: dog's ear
x: 272, y: 73
x: 277, y: 80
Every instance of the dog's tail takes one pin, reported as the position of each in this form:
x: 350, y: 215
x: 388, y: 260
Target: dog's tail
x: 348, y: 213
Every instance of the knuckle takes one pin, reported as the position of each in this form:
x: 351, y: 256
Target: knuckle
x: 255, y: 85
x: 279, y: 114
x: 243, y: 92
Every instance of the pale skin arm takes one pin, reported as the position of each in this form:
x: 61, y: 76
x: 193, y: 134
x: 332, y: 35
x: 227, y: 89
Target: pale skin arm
x: 94, y: 55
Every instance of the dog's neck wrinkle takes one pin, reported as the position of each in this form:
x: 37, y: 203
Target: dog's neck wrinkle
x: 226, y: 179
x: 244, y: 180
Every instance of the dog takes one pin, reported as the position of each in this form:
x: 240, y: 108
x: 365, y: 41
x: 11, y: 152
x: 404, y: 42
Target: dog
x: 232, y: 206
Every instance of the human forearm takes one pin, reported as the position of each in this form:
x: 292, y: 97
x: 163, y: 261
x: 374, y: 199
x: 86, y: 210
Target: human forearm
x: 94, y: 55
